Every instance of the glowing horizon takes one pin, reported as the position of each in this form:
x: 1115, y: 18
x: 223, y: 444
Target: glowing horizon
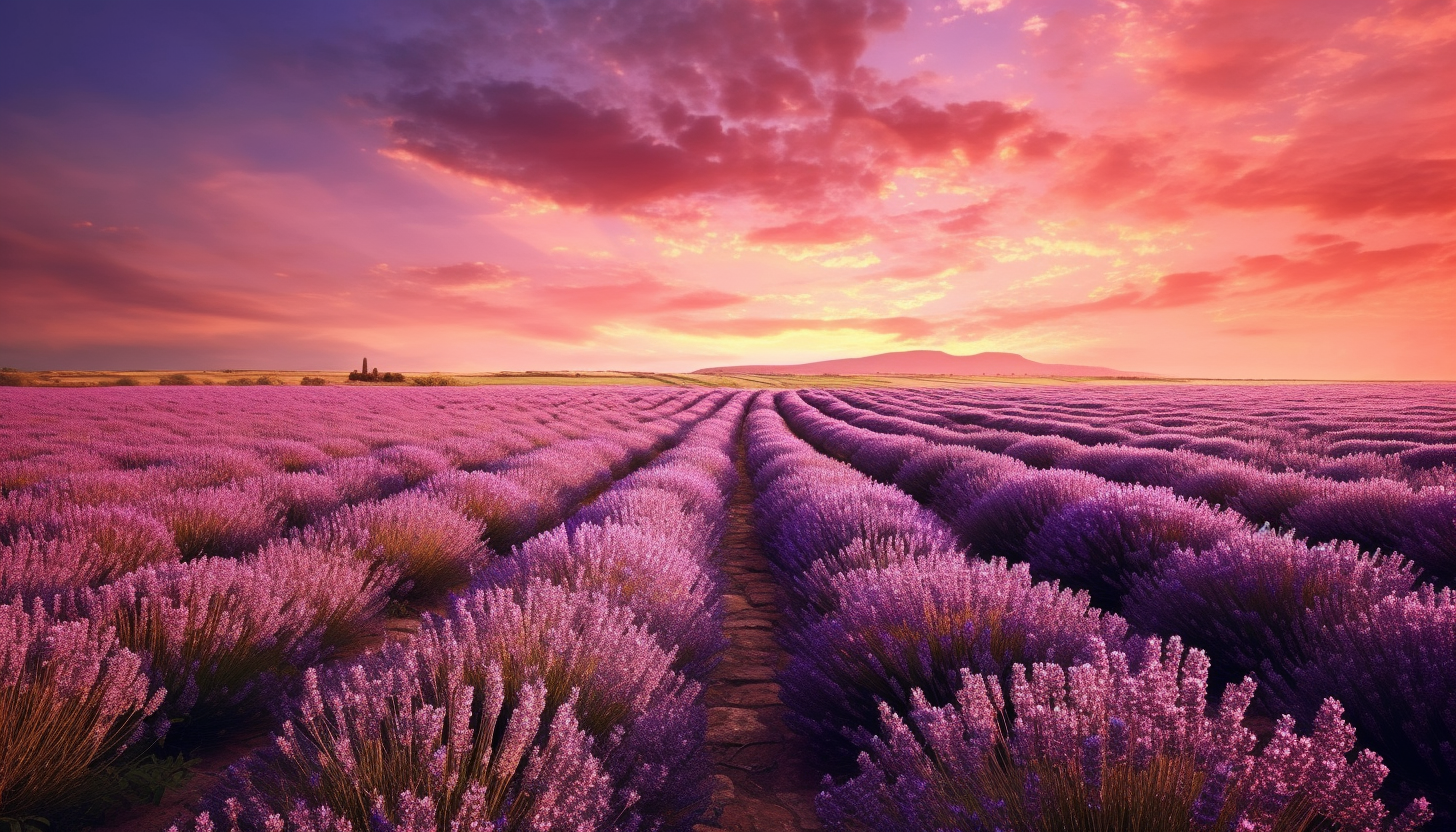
x: 1207, y: 189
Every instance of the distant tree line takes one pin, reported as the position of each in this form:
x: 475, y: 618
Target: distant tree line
x: 366, y: 374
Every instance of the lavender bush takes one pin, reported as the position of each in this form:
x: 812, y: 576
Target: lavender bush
x: 225, y: 522
x: 1373, y: 513
x: 334, y: 595
x: 1381, y: 514
x: 1101, y: 544
x: 801, y: 531
x: 413, y: 463
x: 364, y: 478
x: 1269, y: 498
x: 432, y: 545
x: 966, y: 476
x: 915, y: 625
x: 640, y: 567
x: 1391, y: 667
x: 1119, y: 742
x: 1354, y: 467
x: 1247, y: 600
x: 1134, y: 466
x: 35, y: 568
x: 302, y: 498
x: 211, y: 466
x: 79, y: 546
x: 1430, y: 538
x: 644, y: 716
x: 674, y: 498
x: 404, y: 741
x: 219, y: 634
x: 999, y: 523
x: 1043, y: 451
x: 71, y: 699
x: 922, y: 473
x: 294, y: 456
x: 506, y: 509
x: 817, y: 589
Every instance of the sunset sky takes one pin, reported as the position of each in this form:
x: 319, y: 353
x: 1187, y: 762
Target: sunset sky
x: 1235, y: 188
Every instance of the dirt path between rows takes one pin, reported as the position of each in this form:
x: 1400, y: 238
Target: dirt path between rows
x: 762, y: 780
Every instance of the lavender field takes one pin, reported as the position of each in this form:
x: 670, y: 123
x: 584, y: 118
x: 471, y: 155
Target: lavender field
x: 1149, y: 607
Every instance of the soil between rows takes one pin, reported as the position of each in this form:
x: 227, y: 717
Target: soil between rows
x: 763, y: 780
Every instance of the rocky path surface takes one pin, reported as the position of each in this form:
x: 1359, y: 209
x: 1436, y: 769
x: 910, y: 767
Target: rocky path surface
x: 762, y: 780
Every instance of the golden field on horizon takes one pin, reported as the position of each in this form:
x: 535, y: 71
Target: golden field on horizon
x: 293, y: 378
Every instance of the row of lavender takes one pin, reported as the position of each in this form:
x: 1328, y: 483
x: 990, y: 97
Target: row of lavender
x: 134, y: 445
x: 152, y: 440
x: 562, y: 692
x: 1376, y: 513
x: 980, y: 699
x: 1309, y: 621
x: 1285, y: 425
x: 108, y: 658
x: 1239, y: 424
x: 89, y: 525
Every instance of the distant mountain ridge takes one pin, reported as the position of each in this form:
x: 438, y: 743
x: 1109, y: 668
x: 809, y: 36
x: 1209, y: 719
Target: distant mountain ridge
x: 931, y: 362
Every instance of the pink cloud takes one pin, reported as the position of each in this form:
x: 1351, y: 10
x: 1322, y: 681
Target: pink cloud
x: 463, y: 274
x: 1332, y: 188
x: 836, y: 230
x: 901, y: 327
x: 1333, y: 274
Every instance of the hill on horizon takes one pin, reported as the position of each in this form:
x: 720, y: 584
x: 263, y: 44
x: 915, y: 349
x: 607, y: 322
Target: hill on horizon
x: 931, y: 362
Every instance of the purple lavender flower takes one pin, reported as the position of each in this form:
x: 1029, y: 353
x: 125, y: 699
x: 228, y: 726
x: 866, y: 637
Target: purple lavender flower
x: 212, y: 465
x: 478, y: 453
x: 36, y: 567
x: 509, y: 512
x: 1134, y: 466
x: 1430, y: 456
x: 1381, y: 514
x: 363, y: 478
x: 967, y: 477
x: 302, y: 499
x: 1430, y: 537
x: 293, y: 456
x: 1370, y: 512
x: 78, y: 546
x: 1354, y: 467
x: 883, y: 457
x: 335, y: 596
x: 799, y: 532
x: 920, y: 476
x: 1218, y: 482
